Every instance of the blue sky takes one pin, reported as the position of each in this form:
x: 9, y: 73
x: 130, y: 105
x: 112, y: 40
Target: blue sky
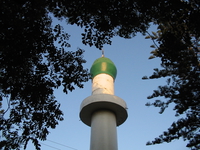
x: 143, y: 124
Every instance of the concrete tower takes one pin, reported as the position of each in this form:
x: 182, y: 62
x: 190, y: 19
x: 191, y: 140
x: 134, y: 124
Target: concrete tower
x: 103, y: 111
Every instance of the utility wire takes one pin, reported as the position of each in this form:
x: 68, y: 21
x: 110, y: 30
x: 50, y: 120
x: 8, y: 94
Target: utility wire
x: 61, y: 144
x: 50, y: 146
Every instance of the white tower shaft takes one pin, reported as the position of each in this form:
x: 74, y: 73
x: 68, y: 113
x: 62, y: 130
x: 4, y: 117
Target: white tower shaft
x: 103, y: 111
x: 103, y: 131
x: 103, y: 122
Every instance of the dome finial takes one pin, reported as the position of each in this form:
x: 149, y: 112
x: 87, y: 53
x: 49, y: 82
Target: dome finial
x: 102, y: 52
x: 103, y: 65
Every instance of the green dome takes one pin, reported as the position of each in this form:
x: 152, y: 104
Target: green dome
x: 103, y: 65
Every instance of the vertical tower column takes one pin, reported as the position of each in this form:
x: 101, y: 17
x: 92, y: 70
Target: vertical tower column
x: 103, y: 111
x: 103, y: 131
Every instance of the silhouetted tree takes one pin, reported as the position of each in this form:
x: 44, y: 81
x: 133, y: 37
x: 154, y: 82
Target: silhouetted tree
x: 31, y: 66
x: 177, y: 44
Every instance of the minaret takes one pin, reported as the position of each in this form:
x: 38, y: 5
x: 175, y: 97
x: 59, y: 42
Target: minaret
x: 103, y: 111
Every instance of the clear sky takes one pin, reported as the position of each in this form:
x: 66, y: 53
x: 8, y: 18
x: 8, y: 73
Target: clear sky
x: 143, y: 123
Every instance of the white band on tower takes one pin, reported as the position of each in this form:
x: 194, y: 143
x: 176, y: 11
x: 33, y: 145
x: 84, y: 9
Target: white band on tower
x: 103, y: 84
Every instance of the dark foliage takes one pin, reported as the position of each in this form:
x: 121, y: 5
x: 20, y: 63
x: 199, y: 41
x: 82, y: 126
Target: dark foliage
x: 103, y: 19
x: 180, y: 64
x: 177, y: 44
x: 31, y: 67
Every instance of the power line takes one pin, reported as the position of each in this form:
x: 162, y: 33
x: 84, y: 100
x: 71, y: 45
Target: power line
x: 50, y: 146
x: 62, y: 144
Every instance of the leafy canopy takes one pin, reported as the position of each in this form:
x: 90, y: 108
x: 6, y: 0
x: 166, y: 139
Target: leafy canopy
x: 31, y: 67
x: 30, y: 61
